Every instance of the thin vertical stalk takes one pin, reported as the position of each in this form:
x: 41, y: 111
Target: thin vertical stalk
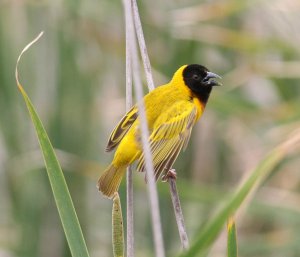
x: 152, y: 191
x: 142, y: 44
x: 129, y: 212
x: 178, y: 214
x: 129, y: 185
x: 150, y: 83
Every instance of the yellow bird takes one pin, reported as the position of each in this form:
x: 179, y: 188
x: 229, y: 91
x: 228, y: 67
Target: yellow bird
x: 171, y: 111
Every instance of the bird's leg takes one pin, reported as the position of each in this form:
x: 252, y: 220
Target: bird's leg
x: 170, y: 174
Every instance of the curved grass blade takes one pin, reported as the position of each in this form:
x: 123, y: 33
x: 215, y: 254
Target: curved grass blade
x: 231, y: 238
x: 210, y: 231
x: 59, y: 187
x: 117, y: 227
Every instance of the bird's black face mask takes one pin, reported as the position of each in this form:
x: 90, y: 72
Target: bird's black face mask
x: 200, y: 80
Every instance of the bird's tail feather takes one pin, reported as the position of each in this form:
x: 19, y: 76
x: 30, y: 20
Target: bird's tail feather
x: 110, y: 180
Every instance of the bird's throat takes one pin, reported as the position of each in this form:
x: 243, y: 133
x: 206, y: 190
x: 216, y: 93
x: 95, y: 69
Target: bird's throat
x: 202, y: 94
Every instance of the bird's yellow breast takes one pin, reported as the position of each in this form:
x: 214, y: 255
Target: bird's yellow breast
x: 200, y: 107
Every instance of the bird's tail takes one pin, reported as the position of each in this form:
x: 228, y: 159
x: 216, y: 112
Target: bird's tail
x: 110, y: 180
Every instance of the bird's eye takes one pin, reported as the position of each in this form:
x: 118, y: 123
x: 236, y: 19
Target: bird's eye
x: 196, y: 77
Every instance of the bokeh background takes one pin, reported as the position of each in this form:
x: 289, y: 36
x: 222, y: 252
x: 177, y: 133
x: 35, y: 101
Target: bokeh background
x: 75, y: 76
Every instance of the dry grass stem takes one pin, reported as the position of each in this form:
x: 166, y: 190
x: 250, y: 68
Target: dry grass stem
x: 178, y: 214
x: 152, y: 191
x: 129, y: 185
x: 142, y: 44
x: 150, y: 83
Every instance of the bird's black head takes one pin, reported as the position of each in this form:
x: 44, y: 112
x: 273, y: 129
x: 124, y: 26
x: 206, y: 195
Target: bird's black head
x: 200, y: 80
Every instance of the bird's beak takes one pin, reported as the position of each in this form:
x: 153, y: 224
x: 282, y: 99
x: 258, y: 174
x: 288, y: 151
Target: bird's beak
x: 211, y: 75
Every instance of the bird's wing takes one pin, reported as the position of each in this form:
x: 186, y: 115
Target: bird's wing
x: 122, y: 128
x: 170, y: 134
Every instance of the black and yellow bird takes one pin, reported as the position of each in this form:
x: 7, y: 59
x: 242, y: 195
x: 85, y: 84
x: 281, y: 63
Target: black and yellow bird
x: 171, y: 111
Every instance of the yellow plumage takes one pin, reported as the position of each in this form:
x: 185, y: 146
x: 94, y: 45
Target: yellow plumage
x: 171, y: 112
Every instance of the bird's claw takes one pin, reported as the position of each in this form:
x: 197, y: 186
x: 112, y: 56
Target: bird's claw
x: 170, y: 174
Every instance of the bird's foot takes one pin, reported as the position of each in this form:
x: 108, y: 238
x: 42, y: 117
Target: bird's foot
x: 170, y: 174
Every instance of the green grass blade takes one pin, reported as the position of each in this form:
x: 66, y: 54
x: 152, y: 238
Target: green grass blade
x: 117, y: 227
x: 59, y: 187
x: 231, y: 238
x: 211, y: 230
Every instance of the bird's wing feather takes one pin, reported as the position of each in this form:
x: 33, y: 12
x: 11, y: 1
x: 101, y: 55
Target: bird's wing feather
x: 122, y: 128
x: 170, y: 134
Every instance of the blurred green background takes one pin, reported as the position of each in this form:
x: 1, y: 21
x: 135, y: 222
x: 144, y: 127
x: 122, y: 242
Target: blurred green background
x: 75, y: 76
